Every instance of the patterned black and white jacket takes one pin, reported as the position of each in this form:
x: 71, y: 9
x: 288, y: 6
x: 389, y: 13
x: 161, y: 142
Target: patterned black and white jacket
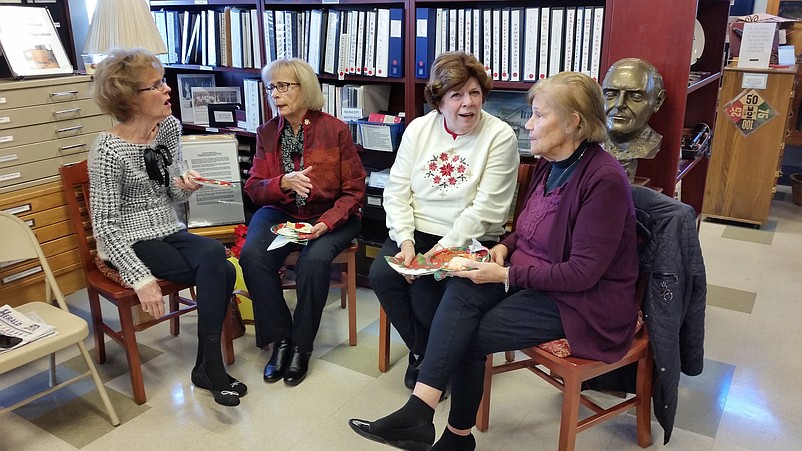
x: 126, y: 205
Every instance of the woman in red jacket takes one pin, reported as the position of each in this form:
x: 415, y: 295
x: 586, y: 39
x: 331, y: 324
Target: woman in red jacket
x: 306, y: 169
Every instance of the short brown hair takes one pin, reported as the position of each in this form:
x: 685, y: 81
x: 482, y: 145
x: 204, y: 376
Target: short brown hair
x: 311, y: 95
x: 574, y: 92
x: 117, y: 80
x: 452, y: 70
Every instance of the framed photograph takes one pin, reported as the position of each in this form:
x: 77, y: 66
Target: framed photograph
x: 511, y: 107
x: 223, y: 114
x: 185, y: 84
x: 30, y: 43
x: 202, y: 97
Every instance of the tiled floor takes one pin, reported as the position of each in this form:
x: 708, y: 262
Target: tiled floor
x: 746, y: 399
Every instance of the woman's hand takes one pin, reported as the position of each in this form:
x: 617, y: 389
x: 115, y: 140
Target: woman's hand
x: 482, y: 272
x: 498, y: 254
x: 319, y: 229
x: 186, y: 181
x: 152, y: 299
x: 406, y: 255
x: 297, y: 181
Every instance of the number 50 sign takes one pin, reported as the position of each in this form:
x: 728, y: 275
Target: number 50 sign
x: 748, y: 111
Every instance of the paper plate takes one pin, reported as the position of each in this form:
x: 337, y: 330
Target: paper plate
x: 212, y: 182
x: 292, y: 229
x: 698, y: 42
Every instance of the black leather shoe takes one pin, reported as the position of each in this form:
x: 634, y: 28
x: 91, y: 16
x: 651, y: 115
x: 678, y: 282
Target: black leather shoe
x: 297, y: 368
x: 274, y: 370
x: 411, y: 376
x: 416, y: 438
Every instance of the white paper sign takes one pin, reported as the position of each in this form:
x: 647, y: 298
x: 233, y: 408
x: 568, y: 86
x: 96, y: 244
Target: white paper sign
x: 756, y: 45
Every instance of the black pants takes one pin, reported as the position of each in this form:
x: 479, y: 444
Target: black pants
x: 260, y: 269
x: 410, y: 307
x: 473, y: 321
x: 194, y: 260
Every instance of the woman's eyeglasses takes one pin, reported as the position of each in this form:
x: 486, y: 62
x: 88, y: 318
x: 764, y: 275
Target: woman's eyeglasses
x: 157, y: 87
x: 282, y: 86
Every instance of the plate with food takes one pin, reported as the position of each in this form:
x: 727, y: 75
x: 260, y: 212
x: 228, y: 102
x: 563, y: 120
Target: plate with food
x: 444, y: 260
x: 299, y: 230
x: 212, y: 182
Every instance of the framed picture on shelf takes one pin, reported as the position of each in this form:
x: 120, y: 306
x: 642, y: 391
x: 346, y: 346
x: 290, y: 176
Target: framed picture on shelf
x: 30, y: 44
x: 202, y: 97
x: 185, y: 84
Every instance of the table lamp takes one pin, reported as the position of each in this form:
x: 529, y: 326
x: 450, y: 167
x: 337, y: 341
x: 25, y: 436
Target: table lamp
x: 120, y: 24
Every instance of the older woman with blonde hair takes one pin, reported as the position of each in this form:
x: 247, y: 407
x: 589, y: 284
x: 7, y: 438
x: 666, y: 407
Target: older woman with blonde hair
x: 306, y: 169
x: 568, y: 271
x: 133, y: 186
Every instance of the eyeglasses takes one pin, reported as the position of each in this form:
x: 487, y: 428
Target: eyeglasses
x: 157, y: 87
x: 282, y: 86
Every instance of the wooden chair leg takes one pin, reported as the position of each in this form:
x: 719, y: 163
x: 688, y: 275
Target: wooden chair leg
x: 227, y: 336
x: 570, y: 412
x: 643, y: 391
x: 97, y: 328
x: 351, y: 285
x: 132, y: 353
x: 343, y: 289
x: 384, y: 341
x: 483, y: 414
x: 175, y: 328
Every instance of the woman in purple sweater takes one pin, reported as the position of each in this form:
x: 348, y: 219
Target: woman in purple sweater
x: 568, y: 270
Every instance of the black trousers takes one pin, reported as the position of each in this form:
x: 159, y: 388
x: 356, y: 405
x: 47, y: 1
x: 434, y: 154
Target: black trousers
x: 473, y: 321
x: 260, y: 268
x: 410, y: 307
x: 194, y: 260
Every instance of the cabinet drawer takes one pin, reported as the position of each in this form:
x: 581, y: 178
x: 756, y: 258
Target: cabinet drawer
x: 26, y: 202
x: 43, y: 92
x: 69, y: 280
x: 31, y: 272
x: 36, y: 170
x: 40, y: 114
x: 44, y: 150
x: 53, y: 130
x: 52, y: 231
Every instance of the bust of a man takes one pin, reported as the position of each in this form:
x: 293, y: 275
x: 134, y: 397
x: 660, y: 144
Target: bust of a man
x: 633, y: 91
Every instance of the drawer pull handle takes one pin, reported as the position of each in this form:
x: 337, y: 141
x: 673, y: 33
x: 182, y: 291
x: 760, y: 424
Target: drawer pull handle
x: 69, y: 129
x: 63, y: 93
x: 71, y: 110
x: 72, y: 146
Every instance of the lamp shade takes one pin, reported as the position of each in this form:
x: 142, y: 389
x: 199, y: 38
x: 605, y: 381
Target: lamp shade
x: 123, y: 24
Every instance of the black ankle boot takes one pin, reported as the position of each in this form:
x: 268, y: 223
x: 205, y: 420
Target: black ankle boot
x: 411, y: 375
x: 274, y: 370
x: 297, y: 368
x: 211, y: 374
x: 409, y: 427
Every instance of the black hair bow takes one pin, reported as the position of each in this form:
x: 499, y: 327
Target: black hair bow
x: 156, y: 162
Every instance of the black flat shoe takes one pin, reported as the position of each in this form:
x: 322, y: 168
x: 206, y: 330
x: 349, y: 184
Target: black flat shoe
x: 274, y: 370
x: 411, y: 375
x: 297, y: 368
x: 229, y: 398
x: 417, y: 438
x: 235, y: 385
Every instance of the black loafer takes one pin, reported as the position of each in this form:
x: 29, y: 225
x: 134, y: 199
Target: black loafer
x: 274, y: 370
x: 417, y: 438
x: 297, y: 368
x: 411, y: 375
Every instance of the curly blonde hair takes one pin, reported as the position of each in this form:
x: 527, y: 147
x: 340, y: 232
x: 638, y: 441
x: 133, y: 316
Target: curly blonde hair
x: 117, y: 80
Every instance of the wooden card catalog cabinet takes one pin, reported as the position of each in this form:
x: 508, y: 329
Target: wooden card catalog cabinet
x: 44, y: 123
x: 748, y: 143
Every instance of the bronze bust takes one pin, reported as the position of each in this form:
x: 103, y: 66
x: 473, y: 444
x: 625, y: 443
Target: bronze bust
x: 633, y: 91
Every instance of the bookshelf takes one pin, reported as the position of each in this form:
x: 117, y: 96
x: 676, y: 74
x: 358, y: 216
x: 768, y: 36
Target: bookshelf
x: 660, y: 32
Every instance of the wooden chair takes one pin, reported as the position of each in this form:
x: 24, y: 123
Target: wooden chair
x: 19, y: 243
x: 75, y: 178
x: 347, y: 284
x: 568, y: 375
x: 524, y: 177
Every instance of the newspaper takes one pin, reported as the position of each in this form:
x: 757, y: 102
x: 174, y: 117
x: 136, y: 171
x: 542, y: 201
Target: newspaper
x: 27, y: 327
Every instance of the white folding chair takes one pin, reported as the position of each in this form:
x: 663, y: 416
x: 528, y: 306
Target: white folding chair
x: 19, y: 243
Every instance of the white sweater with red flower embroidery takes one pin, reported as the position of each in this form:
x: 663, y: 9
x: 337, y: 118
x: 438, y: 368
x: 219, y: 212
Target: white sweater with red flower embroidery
x: 458, y: 189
